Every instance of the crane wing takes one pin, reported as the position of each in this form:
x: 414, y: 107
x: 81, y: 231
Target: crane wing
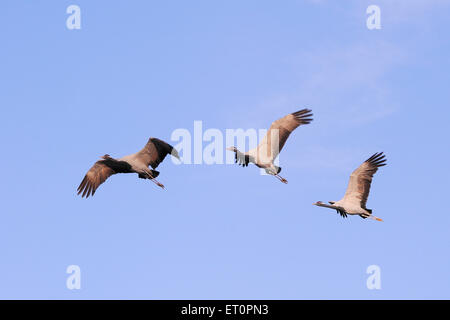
x: 99, y: 172
x: 279, y: 132
x: 360, y: 180
x: 155, y: 151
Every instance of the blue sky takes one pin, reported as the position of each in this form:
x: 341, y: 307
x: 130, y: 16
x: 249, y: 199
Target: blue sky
x: 137, y: 69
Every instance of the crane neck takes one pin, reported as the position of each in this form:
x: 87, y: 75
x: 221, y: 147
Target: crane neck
x: 326, y: 205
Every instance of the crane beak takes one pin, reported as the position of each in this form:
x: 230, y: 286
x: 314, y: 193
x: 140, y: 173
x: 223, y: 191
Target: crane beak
x: 176, y: 155
x: 230, y: 148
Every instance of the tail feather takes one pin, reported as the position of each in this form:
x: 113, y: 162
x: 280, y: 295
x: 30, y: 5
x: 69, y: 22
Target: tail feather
x: 155, y: 173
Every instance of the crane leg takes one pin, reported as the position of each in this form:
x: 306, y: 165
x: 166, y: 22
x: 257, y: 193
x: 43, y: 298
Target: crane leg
x: 281, y: 178
x: 154, y: 180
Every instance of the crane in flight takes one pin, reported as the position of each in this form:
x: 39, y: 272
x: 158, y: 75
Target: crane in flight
x: 355, y: 198
x: 152, y: 155
x: 264, y: 155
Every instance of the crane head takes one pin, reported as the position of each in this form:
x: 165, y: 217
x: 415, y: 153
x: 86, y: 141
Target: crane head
x: 234, y: 149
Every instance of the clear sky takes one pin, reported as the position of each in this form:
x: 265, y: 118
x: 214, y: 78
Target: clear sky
x: 137, y: 69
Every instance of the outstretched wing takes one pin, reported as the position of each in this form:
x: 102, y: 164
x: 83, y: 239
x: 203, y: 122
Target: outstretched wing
x: 360, y: 180
x: 279, y: 132
x: 155, y: 151
x: 99, y: 172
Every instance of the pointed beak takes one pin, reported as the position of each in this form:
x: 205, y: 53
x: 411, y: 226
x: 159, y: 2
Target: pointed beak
x: 175, y: 154
x: 230, y: 149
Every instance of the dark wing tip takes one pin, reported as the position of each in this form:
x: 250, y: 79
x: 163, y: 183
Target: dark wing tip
x: 303, y: 116
x: 87, y: 188
x: 377, y: 159
x: 163, y: 148
x: 82, y: 184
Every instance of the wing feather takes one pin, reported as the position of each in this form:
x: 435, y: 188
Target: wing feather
x: 155, y: 151
x: 98, y: 174
x: 279, y: 132
x: 360, y: 180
